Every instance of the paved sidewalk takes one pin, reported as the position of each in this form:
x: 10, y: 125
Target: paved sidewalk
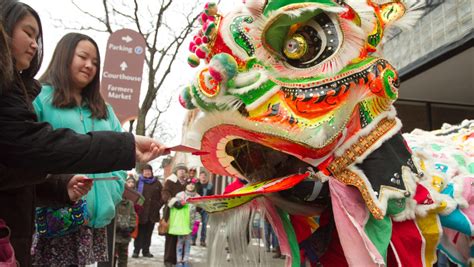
x: 198, y: 255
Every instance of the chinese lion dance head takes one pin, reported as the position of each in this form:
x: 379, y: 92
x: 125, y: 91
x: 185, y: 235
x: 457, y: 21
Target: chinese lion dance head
x: 295, y: 101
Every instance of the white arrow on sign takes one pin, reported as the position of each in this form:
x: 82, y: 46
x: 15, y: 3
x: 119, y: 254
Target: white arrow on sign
x: 127, y: 39
x: 123, y: 66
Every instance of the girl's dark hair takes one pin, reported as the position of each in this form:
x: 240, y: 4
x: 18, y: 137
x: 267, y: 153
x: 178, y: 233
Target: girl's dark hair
x: 58, y: 75
x: 6, y: 64
x: 11, y: 12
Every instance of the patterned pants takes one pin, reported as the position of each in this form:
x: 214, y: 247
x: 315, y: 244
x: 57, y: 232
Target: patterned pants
x: 121, y: 253
x: 183, y: 248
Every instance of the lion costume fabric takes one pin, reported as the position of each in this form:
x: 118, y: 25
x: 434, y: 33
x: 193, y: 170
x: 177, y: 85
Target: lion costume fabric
x: 296, y: 99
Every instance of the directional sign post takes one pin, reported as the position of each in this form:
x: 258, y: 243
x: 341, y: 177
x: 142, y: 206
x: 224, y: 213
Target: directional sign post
x: 122, y: 74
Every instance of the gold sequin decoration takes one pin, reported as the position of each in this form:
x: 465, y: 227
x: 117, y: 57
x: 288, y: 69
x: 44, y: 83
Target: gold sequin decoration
x: 339, y: 170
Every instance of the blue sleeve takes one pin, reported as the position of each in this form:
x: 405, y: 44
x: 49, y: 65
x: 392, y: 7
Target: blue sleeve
x: 114, y: 121
x: 38, y: 106
x: 117, y: 127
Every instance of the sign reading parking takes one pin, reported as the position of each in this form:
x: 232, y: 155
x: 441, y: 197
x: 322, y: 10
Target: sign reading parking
x: 122, y: 73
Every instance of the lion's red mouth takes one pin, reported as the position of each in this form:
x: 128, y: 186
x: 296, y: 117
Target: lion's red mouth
x: 257, y: 156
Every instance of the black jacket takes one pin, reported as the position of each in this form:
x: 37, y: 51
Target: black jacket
x: 153, y: 203
x: 209, y: 189
x: 25, y: 143
x: 29, y: 150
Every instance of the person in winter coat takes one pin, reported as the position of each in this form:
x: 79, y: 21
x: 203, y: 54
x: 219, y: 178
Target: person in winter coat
x: 31, y: 150
x: 174, y: 184
x: 70, y: 98
x: 203, y: 188
x: 126, y: 219
x: 150, y: 187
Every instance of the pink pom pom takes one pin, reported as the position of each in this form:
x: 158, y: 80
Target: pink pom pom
x: 200, y: 53
x: 181, y: 101
x: 192, y: 47
x: 215, y: 74
x: 198, y: 41
x: 204, y: 17
x: 205, y: 39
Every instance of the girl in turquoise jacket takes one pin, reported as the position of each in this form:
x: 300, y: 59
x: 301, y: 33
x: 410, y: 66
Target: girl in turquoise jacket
x: 70, y: 98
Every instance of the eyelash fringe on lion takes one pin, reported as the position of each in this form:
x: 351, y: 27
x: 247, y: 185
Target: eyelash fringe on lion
x: 296, y: 100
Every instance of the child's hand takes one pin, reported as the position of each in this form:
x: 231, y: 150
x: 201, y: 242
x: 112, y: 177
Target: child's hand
x: 78, y: 186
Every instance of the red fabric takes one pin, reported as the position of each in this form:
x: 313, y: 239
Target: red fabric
x: 422, y: 195
x: 134, y: 234
x: 407, y: 241
x: 334, y: 255
x: 301, y: 226
x: 236, y: 184
x: 138, y: 209
x: 391, y: 259
x: 302, y: 231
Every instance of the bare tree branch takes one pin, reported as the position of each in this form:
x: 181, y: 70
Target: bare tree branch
x: 107, y: 18
x: 127, y: 16
x: 160, y: 111
x: 159, y: 18
x: 176, y: 43
x: 86, y: 28
x: 151, y: 132
x: 137, y: 20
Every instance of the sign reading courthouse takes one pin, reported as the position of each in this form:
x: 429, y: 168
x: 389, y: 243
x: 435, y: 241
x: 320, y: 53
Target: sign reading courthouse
x: 122, y: 73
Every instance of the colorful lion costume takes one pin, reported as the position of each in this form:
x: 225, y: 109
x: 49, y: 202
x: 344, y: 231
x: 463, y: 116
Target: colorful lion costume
x: 297, y: 100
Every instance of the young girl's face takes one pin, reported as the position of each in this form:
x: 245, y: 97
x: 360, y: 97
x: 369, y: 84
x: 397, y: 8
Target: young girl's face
x: 130, y: 184
x: 24, y: 42
x: 190, y: 187
x: 84, y: 64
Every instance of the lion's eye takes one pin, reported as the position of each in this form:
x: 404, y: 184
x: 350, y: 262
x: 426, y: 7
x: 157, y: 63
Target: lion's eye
x: 314, y: 42
x: 295, y: 47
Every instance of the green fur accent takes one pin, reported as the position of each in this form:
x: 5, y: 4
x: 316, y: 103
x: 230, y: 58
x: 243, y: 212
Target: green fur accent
x: 386, y: 83
x: 470, y: 168
x: 379, y: 232
x: 375, y: 39
x: 436, y: 147
x: 277, y: 33
x: 460, y: 160
x: 240, y: 36
x: 251, y: 62
x: 277, y: 4
x: 290, y: 233
x: 395, y: 206
x: 201, y: 102
x: 252, y: 95
x: 365, y: 112
x: 357, y: 65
